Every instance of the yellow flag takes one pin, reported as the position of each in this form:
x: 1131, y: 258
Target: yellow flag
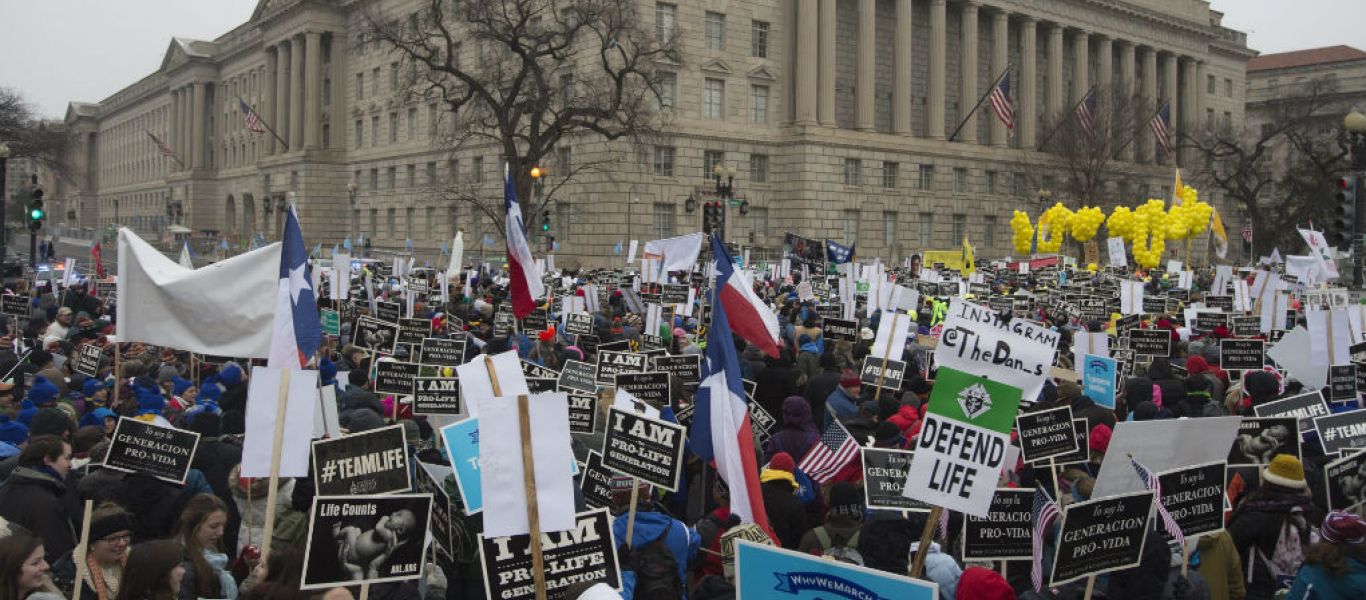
x: 1220, y: 236
x: 969, y: 263
x: 1176, y: 189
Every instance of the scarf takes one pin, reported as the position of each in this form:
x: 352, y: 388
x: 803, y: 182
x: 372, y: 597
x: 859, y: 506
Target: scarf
x: 96, y: 574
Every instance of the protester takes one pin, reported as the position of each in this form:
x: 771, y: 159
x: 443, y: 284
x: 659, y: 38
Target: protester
x: 111, y: 532
x: 786, y: 514
x: 1335, y: 566
x: 154, y: 571
x: 24, y: 573
x: 34, y: 495
x: 1270, y: 527
x: 206, y: 566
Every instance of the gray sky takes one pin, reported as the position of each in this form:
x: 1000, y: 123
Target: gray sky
x: 56, y: 51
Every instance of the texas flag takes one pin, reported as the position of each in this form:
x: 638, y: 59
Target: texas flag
x: 297, y: 332
x: 526, y: 278
x: 721, y: 425
x: 753, y: 321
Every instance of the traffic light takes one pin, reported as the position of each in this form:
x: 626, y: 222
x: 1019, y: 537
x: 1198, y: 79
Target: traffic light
x: 35, y: 207
x: 708, y: 217
x: 545, y: 220
x: 1344, y: 223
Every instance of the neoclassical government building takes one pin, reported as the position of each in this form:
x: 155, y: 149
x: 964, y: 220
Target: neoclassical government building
x: 837, y: 117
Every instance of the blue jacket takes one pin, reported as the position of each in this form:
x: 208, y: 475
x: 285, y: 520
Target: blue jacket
x: 682, y: 540
x: 841, y: 404
x: 1314, y: 583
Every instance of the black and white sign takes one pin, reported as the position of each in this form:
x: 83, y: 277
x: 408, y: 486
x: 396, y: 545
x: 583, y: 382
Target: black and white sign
x: 393, y: 377
x: 762, y: 423
x: 443, y: 352
x: 578, y: 376
x: 1208, y: 321
x: 1153, y: 342
x: 449, y: 545
x: 596, y: 482
x: 359, y: 464
x: 1006, y: 533
x: 1260, y: 439
x: 1342, y: 382
x: 874, y: 373
x: 1242, y: 355
x: 437, y: 396
x: 1083, y: 450
x: 687, y: 368
x: 583, y: 411
x: 536, y: 320
x: 413, y: 331
x: 17, y: 306
x: 1224, y: 303
x: 1195, y: 497
x: 612, y: 363
x: 365, y: 539
x: 651, y: 388
x: 649, y: 449
x: 88, y: 360
x: 1101, y: 535
x: 884, y: 477
x: 840, y: 330
x: 1046, y: 433
x: 376, y: 335
x: 1345, y: 480
x: 585, y: 553
x: 674, y: 293
x: 531, y: 369
x: 142, y: 447
x: 389, y: 312
x: 1303, y: 407
x: 1342, y: 431
x: 578, y: 323
x: 1247, y: 326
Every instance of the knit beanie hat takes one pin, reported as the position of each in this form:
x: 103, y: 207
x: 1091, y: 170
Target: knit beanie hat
x: 1344, y: 528
x: 230, y: 375
x: 1099, y: 440
x: 91, y: 387
x: 977, y: 583
x: 12, y: 431
x: 180, y: 384
x: 848, y: 378
x: 782, y: 461
x: 1286, y: 471
x: 50, y: 421
x: 327, y: 371
x: 42, y: 392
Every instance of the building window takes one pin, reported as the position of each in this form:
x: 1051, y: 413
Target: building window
x: 926, y: 178
x: 1227, y: 123
x: 374, y: 130
x: 432, y: 120
x: 759, y: 222
x: 926, y: 229
x: 758, y: 104
x: 890, y: 170
x: 989, y: 237
x: 758, y: 39
x: 564, y: 159
x: 853, y: 171
x: 566, y: 88
x: 664, y: 22
x: 664, y: 161
x: 663, y: 220
x: 431, y: 173
x: 850, y: 218
x: 374, y: 81
x: 758, y: 168
x: 715, y: 32
x: 374, y: 180
x: 1228, y: 87
x: 668, y: 89
x: 412, y: 175
x: 393, y: 127
x: 1017, y: 186
x: 393, y: 76
x: 409, y: 216
x: 991, y: 182
x: 391, y: 178
x: 374, y: 222
x: 412, y: 123
x: 477, y: 169
x: 562, y: 220
x: 360, y: 85
x: 888, y: 229
x: 711, y: 158
x: 1210, y: 83
x: 392, y: 216
x: 960, y: 180
x: 713, y: 97
x: 360, y: 133
x: 453, y: 165
x: 960, y: 227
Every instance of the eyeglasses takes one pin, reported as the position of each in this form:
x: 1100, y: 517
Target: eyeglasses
x: 118, y: 539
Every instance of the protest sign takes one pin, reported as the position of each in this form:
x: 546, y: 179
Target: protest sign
x: 1242, y: 355
x: 748, y: 532
x: 1303, y: 407
x: 393, y: 377
x: 162, y: 452
x: 1342, y: 431
x: 1194, y: 496
x: 1005, y: 533
x: 583, y: 411
x: 884, y: 478
x: 461, y: 440
x: 330, y: 320
x: 651, y: 387
x: 578, y: 323
x: 450, y: 546
x: 1345, y: 482
x: 1247, y: 326
x: 325, y: 416
x: 611, y: 363
x: 508, y: 459
x: 1101, y: 535
x: 687, y: 368
x: 437, y: 396
x: 962, y: 443
x: 595, y: 483
x: 761, y: 422
x: 365, y: 539
x: 413, y: 331
x: 1099, y: 378
x: 531, y: 369
x: 1016, y: 353
x: 537, y: 385
x: 389, y: 312
x: 442, y: 352
x: 803, y: 576
x: 1153, y: 342
x: 366, y: 463
x: 1161, y: 445
x: 88, y: 360
x: 578, y: 376
x: 840, y: 330
x: 886, y: 374
x: 375, y: 335
x: 264, y: 396
x: 585, y: 553
x: 1082, y: 453
x: 1342, y: 382
x: 1260, y: 439
x: 537, y: 320
x: 16, y: 306
x: 648, y: 449
x: 1045, y: 434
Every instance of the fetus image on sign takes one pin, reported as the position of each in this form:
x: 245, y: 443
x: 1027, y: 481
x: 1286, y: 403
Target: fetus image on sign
x: 364, y: 551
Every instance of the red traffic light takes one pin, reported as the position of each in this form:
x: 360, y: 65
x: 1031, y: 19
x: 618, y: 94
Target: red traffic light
x: 1344, y: 183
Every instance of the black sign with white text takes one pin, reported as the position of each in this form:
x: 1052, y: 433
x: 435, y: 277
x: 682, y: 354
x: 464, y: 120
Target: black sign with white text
x: 1242, y: 354
x: 142, y: 447
x: 1303, y: 407
x: 443, y: 352
x: 884, y: 476
x: 88, y: 360
x: 1195, y: 497
x: 578, y: 323
x: 612, y: 363
x: 586, y: 553
x: 1247, y: 326
x: 596, y: 482
x: 1006, y: 533
x: 358, y: 464
x: 375, y: 335
x: 840, y: 329
x: 687, y: 368
x: 649, y: 449
x: 1342, y: 382
x: 393, y: 377
x: 389, y: 312
x: 1046, y: 433
x: 345, y: 536
x: 578, y: 376
x: 437, y: 396
x: 888, y: 377
x: 413, y: 331
x: 1153, y: 342
x: 651, y: 388
x: 18, y: 306
x: 583, y: 411
x: 1101, y: 535
x: 1342, y: 431
x: 1260, y: 439
x: 1345, y: 480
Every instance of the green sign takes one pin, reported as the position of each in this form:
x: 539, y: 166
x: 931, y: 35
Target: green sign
x: 974, y: 400
x: 331, y: 322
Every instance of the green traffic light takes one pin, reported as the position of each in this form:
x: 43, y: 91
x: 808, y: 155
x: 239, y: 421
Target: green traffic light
x: 36, y: 214
x: 545, y: 226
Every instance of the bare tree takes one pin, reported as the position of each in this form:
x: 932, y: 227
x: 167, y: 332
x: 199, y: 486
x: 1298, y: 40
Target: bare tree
x: 1090, y: 156
x: 528, y: 76
x: 28, y: 136
x: 1279, y: 172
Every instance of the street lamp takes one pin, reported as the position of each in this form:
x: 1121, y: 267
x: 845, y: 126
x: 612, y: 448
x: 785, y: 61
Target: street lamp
x: 4, y: 168
x: 1354, y: 125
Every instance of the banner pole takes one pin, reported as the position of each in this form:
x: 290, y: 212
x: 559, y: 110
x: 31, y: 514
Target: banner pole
x: 1090, y: 587
x: 882, y: 373
x: 82, y: 550
x: 364, y: 591
x: 631, y: 515
x: 274, y: 490
x: 533, y: 509
x: 926, y: 535
x: 1053, y: 472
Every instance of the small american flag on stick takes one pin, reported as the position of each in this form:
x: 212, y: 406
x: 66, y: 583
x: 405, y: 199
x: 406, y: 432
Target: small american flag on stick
x: 1151, y: 482
x: 830, y: 454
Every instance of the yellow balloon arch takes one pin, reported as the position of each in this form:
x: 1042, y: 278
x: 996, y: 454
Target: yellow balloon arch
x: 1146, y: 228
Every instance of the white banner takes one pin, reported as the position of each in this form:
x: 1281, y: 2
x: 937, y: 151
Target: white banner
x: 1018, y: 353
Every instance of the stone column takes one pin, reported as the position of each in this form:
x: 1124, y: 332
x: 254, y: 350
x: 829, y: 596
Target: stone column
x: 967, y: 80
x: 267, y: 103
x: 867, y: 65
x: 804, y: 100
x: 201, y: 149
x: 1126, y: 92
x: 313, y: 91
x: 939, y: 29
x: 826, y: 105
x: 337, y: 107
x: 1054, y: 93
x: 1105, y: 65
x: 173, y: 131
x: 1027, y: 103
x: 901, y: 87
x: 1000, y: 55
x: 1081, y: 66
x: 1148, y: 146
x: 296, y: 94
x: 186, y: 149
x: 1201, y: 88
x: 281, y: 124
x: 1170, y: 75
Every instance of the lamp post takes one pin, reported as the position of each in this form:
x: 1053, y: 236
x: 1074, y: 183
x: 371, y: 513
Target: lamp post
x: 725, y: 191
x: 1354, y: 125
x: 1044, y: 196
x: 4, y: 168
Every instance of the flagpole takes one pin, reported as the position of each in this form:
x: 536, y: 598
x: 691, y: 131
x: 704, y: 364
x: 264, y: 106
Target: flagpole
x: 263, y: 122
x: 1064, y: 121
x: 984, y: 97
x: 160, y: 143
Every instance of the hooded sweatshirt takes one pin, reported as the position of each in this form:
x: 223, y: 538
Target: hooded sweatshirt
x: 798, y: 431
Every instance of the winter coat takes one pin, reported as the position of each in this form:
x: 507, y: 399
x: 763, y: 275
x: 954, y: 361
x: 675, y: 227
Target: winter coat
x: 681, y: 540
x: 1220, y: 565
x: 798, y: 431
x: 777, y: 381
x: 255, y: 510
x: 941, y: 569
x: 905, y: 419
x: 1313, y: 581
x: 227, y: 586
x: 841, y: 405
x: 1083, y: 407
x: 1199, y: 404
x: 818, y: 388
x: 1256, y: 525
x: 33, y: 498
x: 786, y: 514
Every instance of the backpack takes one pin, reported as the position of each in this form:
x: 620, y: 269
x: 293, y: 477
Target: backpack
x: 1288, y: 555
x: 655, y: 567
x: 846, y: 551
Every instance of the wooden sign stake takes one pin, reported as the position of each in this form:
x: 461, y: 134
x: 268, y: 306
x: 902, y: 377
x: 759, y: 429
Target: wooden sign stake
x: 274, y: 490
x: 882, y: 373
x: 82, y: 550
x: 533, y: 509
x: 631, y: 514
x: 926, y: 535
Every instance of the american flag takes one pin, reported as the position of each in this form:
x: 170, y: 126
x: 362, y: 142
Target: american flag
x: 1000, y: 103
x: 1151, y: 482
x: 253, y: 119
x: 1086, y: 110
x: 1043, y: 513
x: 829, y: 455
x: 161, y: 146
x: 1161, y: 126
x: 1247, y: 231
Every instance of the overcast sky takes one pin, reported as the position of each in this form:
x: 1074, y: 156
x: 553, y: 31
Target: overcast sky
x: 56, y: 51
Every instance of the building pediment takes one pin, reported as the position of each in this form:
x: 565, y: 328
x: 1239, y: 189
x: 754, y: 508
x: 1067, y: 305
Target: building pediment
x: 762, y: 72
x: 718, y: 66
x: 183, y: 51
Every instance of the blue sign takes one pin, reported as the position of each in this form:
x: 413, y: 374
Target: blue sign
x: 768, y: 572
x: 462, y: 448
x: 1098, y: 379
